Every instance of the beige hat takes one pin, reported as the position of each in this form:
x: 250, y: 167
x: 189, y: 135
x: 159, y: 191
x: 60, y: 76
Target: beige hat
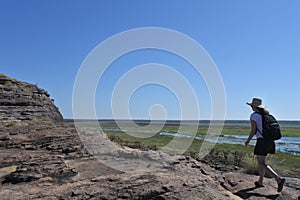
x: 257, y: 103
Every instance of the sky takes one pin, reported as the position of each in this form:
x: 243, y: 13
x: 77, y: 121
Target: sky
x: 255, y: 46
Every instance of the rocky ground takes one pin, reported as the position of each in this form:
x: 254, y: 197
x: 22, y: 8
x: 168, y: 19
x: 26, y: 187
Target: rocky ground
x: 51, y: 162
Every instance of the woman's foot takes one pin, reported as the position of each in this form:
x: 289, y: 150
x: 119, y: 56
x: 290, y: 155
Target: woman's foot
x: 280, y: 185
x: 258, y: 185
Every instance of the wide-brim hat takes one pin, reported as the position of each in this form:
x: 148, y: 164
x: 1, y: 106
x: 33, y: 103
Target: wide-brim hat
x: 257, y: 103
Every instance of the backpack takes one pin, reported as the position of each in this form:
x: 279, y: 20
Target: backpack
x: 271, y: 128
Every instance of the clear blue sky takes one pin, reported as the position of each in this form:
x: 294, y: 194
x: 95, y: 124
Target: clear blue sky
x: 255, y: 45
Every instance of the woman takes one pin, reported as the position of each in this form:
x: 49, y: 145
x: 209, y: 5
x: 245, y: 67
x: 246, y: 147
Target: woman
x: 262, y: 147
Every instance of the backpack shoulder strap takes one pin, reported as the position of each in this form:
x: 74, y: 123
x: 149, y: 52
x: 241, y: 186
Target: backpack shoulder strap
x: 263, y: 123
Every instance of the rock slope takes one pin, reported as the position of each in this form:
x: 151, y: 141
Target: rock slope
x: 50, y: 162
x: 21, y: 101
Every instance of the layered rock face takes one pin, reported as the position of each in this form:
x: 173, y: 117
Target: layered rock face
x: 21, y: 101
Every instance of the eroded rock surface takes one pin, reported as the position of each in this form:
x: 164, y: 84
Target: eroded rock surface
x: 47, y: 162
x: 25, y: 102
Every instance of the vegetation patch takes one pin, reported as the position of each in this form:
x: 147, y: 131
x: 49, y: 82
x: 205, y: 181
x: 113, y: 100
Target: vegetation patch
x: 11, y: 169
x: 221, y: 154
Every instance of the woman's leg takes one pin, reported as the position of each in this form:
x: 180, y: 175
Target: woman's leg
x: 261, y: 168
x: 272, y: 173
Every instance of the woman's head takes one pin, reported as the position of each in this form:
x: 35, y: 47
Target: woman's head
x: 257, y: 102
x: 257, y: 106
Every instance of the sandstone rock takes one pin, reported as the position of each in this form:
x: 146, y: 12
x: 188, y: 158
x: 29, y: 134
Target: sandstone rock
x: 21, y: 101
x: 57, y: 166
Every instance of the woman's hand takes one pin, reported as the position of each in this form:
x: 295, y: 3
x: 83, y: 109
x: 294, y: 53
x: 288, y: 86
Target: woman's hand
x: 247, y: 142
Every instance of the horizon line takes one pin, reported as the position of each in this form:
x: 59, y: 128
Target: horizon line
x: 111, y: 119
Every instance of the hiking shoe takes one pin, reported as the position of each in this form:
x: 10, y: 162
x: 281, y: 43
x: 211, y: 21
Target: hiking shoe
x: 258, y: 185
x: 280, y: 185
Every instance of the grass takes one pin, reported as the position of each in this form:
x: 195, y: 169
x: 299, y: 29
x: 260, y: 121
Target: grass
x: 290, y: 131
x: 225, y: 154
x: 42, y: 120
x: 11, y: 124
x: 244, y: 130
x: 286, y: 164
x: 11, y: 169
x: 227, y: 130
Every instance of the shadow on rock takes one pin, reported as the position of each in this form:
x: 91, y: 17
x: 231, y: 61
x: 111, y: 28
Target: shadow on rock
x: 247, y: 193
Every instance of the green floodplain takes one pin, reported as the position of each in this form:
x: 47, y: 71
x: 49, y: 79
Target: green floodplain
x: 234, y: 155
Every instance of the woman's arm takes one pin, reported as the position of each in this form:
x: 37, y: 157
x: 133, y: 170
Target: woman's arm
x: 252, y: 132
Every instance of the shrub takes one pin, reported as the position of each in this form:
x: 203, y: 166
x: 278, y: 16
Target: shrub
x: 249, y: 163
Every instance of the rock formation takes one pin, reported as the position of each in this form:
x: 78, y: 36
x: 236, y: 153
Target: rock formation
x: 25, y: 102
x: 50, y: 162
